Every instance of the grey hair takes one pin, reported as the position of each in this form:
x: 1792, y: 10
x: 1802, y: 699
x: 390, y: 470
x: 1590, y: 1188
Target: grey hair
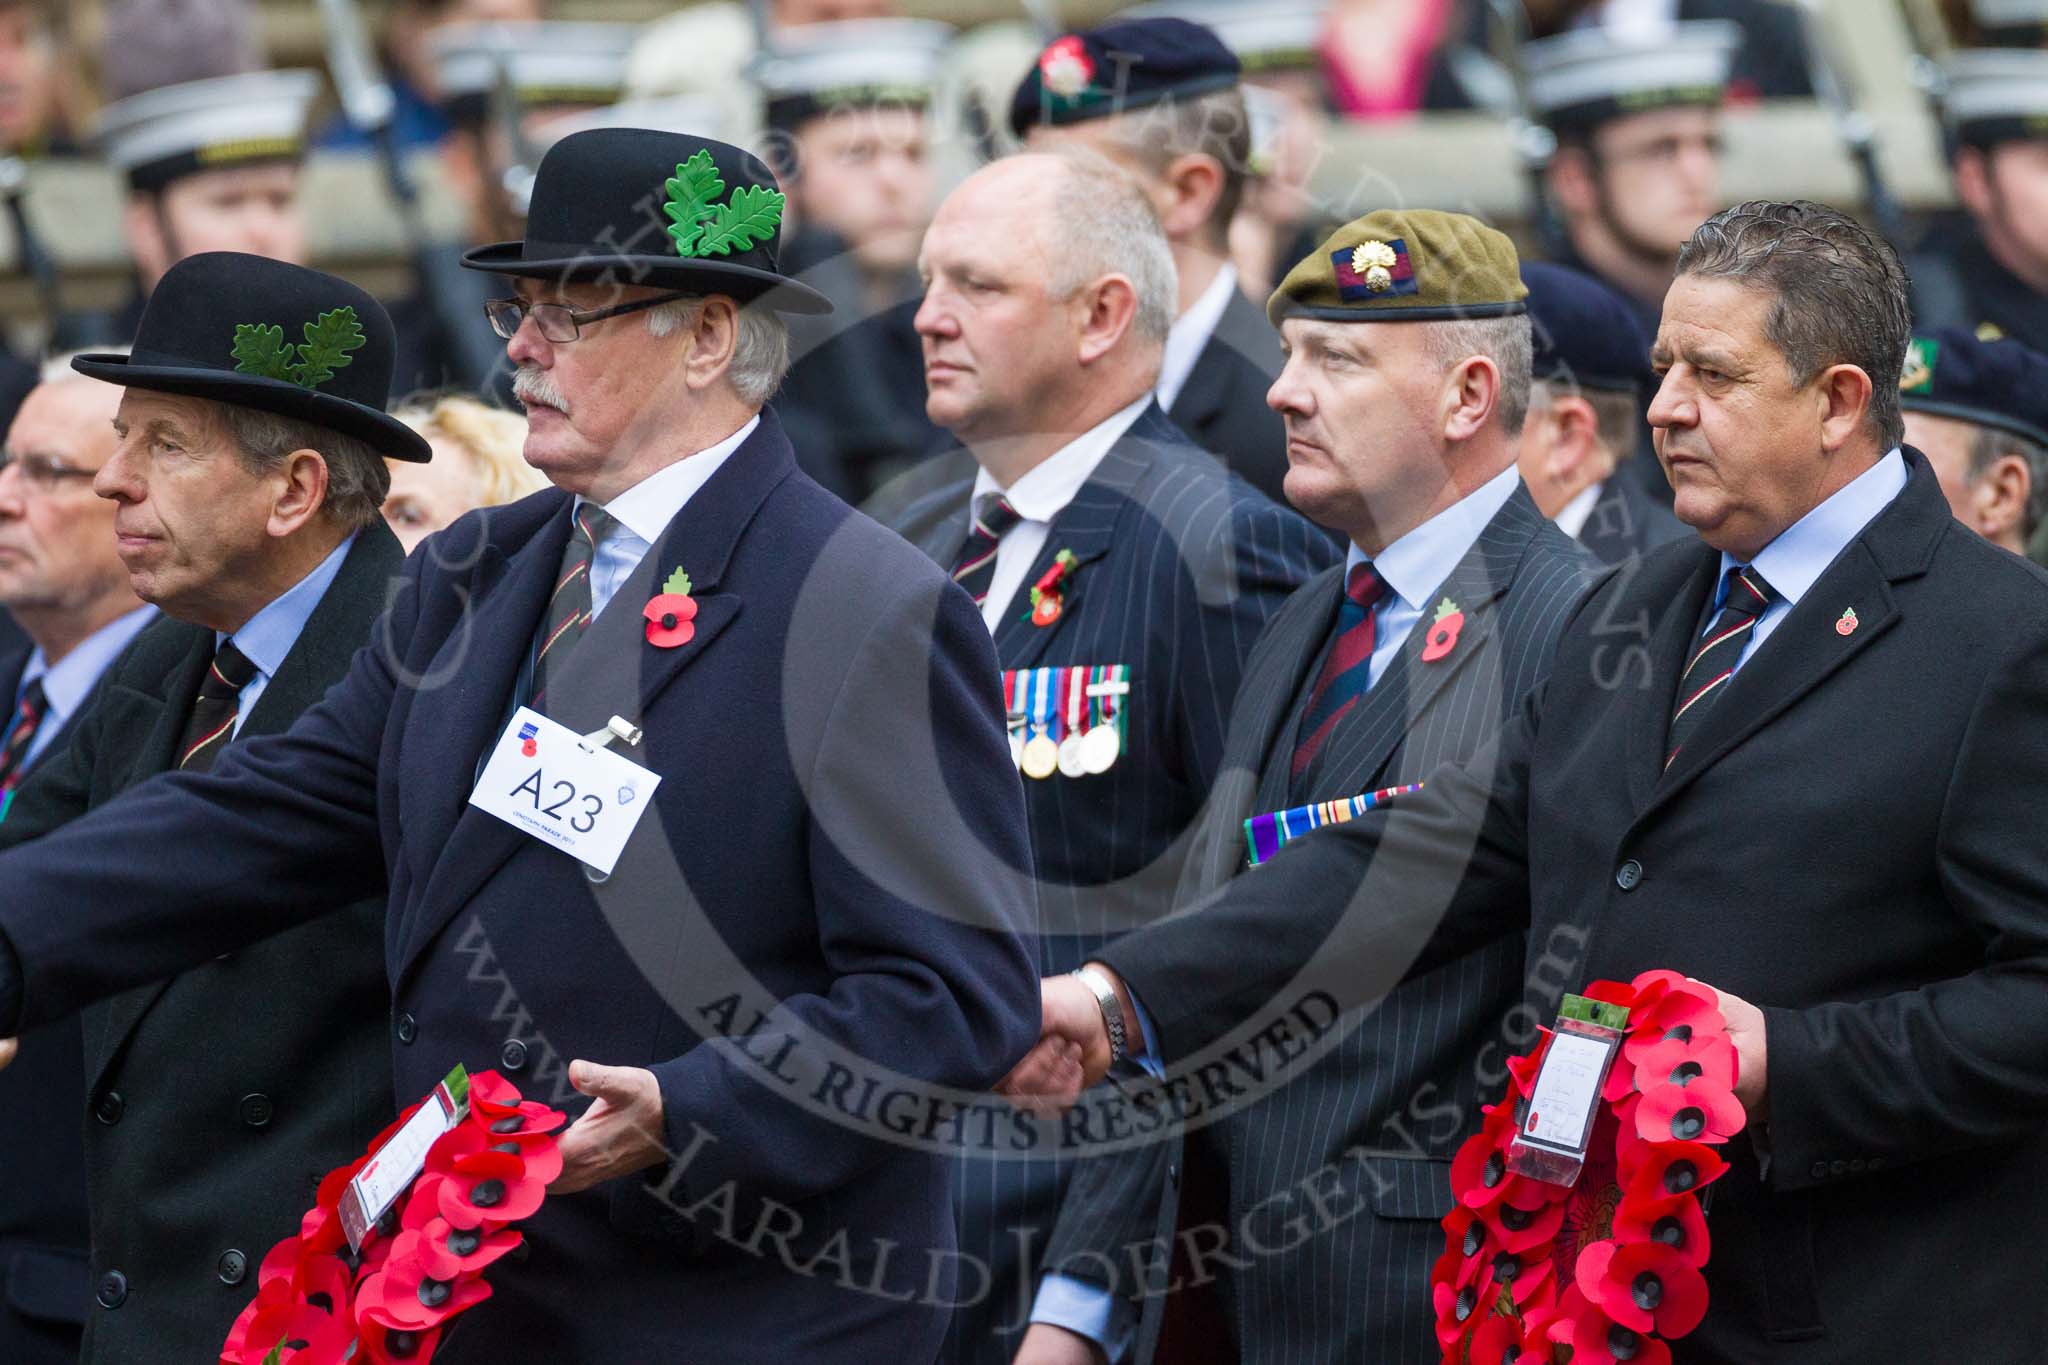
x: 1840, y: 294
x: 1507, y: 342
x: 358, y: 480
x: 1617, y: 417
x: 1107, y: 227
x: 760, y: 355
x: 1989, y: 445
x: 1216, y: 125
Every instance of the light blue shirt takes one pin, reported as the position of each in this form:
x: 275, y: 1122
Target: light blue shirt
x: 1413, y: 567
x: 68, y: 682
x: 269, y: 635
x: 644, y: 511
x: 1416, y: 565
x: 1802, y: 552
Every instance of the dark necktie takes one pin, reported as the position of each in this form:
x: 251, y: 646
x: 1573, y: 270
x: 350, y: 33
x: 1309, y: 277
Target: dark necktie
x: 21, y: 734
x: 213, y: 713
x: 1713, y: 661
x: 568, y: 613
x: 1348, y: 669
x: 976, y: 568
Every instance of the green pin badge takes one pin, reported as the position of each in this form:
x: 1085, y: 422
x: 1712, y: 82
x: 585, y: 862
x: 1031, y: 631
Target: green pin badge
x: 261, y: 350
x: 701, y: 226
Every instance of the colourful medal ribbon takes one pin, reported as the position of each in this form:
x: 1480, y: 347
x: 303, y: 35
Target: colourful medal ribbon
x: 1044, y: 712
x: 1265, y: 835
x: 1077, y: 699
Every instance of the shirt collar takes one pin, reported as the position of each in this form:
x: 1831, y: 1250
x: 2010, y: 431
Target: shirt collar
x: 1191, y: 331
x: 650, y: 505
x: 1417, y: 564
x: 270, y: 634
x: 1043, y: 492
x: 66, y: 682
x: 1803, y: 551
x: 1573, y: 516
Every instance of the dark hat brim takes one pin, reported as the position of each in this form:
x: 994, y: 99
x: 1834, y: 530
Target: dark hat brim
x: 390, y: 436
x: 1971, y: 412
x: 745, y: 283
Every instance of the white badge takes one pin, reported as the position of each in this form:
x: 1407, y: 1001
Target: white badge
x: 566, y: 790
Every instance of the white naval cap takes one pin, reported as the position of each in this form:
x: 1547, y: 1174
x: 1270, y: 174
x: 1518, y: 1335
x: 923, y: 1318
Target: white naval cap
x: 850, y: 63
x: 1278, y: 35
x: 549, y: 62
x: 173, y: 131
x: 1590, y: 75
x: 1991, y: 95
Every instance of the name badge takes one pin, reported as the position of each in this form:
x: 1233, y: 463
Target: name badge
x: 567, y: 790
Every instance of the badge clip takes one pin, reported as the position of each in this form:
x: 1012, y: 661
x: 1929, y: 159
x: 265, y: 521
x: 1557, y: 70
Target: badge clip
x: 620, y: 729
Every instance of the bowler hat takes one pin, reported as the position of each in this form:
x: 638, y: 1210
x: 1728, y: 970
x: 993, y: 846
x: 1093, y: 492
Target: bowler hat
x: 257, y: 333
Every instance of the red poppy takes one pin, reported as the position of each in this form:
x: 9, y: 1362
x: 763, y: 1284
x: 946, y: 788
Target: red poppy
x: 1443, y: 635
x: 1479, y: 1170
x: 1676, y: 1168
x: 1526, y: 1218
x: 1675, y: 1220
x: 489, y: 1187
x: 671, y: 619
x: 493, y: 1099
x: 1698, y: 1111
x: 1503, y: 1341
x: 308, y: 1336
x: 1626, y: 995
x: 1596, y: 1340
x: 1644, y: 1286
x: 404, y: 1296
x: 1464, y: 1238
x: 383, y: 1345
x: 449, y: 1252
x: 1708, y: 1057
x: 1683, y: 1009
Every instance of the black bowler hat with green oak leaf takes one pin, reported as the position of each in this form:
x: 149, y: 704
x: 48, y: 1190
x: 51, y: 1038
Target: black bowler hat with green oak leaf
x: 258, y: 333
x: 632, y: 206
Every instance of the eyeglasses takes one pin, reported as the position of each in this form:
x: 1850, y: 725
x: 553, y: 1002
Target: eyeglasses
x: 558, y: 321
x: 43, y: 473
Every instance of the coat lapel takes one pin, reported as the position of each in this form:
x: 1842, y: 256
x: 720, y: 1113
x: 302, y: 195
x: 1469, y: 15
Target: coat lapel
x: 1211, y: 387
x: 1670, y: 648
x: 592, y: 687
x: 1086, y: 527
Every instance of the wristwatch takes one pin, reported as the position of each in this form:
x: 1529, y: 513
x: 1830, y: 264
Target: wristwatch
x: 1112, y: 1011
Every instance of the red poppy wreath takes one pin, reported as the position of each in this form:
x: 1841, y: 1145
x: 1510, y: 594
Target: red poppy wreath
x: 1607, y: 1269
x: 320, y: 1301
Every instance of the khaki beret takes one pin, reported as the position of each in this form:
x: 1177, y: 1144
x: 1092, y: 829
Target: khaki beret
x: 1404, y: 265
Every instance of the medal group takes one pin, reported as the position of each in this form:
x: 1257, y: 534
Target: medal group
x: 1069, y: 721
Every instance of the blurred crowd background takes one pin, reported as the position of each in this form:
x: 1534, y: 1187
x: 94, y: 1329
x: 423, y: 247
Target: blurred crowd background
x: 377, y: 138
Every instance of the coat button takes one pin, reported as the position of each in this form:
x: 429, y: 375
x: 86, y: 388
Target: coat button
x: 1173, y: 1175
x: 512, y: 1056
x: 1858, y: 1166
x: 1838, y: 1168
x: 109, y: 1107
x: 1877, y: 1163
x: 1820, y: 1170
x: 255, y: 1110
x: 233, y: 1267
x: 408, y: 1027
x: 1628, y: 874
x: 113, y: 1289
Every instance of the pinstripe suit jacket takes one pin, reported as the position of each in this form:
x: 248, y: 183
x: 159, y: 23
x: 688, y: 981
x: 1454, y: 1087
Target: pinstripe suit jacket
x: 1179, y: 566
x: 1336, y: 1179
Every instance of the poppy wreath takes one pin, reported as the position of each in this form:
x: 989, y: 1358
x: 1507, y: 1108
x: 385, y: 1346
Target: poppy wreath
x: 1610, y: 1269
x: 320, y: 1303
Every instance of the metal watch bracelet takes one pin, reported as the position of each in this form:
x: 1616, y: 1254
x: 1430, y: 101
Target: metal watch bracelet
x: 1112, y: 1012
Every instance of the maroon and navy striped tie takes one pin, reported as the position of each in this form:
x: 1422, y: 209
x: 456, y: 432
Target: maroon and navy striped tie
x: 976, y: 568
x: 1347, y: 671
x: 21, y: 735
x: 1713, y: 659
x: 213, y: 713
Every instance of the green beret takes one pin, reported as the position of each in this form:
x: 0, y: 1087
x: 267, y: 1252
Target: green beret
x: 1404, y: 265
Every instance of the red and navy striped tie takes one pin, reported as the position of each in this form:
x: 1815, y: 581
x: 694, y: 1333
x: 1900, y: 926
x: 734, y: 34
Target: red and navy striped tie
x: 21, y: 734
x: 213, y: 713
x: 1713, y: 661
x: 976, y: 568
x: 1347, y: 671
x: 568, y: 612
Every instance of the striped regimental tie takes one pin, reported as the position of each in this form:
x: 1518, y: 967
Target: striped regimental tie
x: 976, y: 569
x: 1713, y: 660
x: 568, y: 610
x: 213, y: 713
x: 1348, y: 669
x: 21, y: 733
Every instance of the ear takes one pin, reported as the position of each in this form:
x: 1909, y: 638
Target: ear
x: 710, y: 342
x: 1973, y: 181
x: 1575, y: 452
x: 1112, y: 307
x: 145, y: 234
x: 1571, y: 181
x: 1844, y: 392
x: 1999, y: 497
x: 301, y: 483
x: 1193, y: 184
x: 1471, y: 391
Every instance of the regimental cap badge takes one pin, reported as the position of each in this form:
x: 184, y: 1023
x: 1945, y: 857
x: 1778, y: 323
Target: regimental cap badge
x: 1373, y: 268
x: 1065, y: 68
x: 702, y: 226
x: 1922, y: 353
x: 1374, y: 262
x: 261, y: 350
